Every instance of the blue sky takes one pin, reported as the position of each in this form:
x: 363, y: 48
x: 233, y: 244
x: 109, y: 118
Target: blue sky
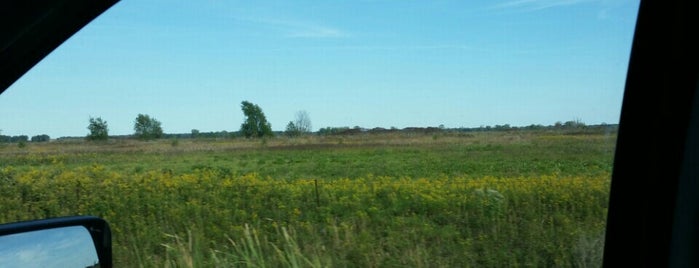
x: 60, y: 247
x: 371, y: 63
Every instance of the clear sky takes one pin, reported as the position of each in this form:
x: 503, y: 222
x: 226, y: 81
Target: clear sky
x: 371, y: 63
x: 69, y: 246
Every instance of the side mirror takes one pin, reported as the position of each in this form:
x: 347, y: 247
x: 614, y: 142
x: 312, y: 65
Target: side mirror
x: 78, y: 241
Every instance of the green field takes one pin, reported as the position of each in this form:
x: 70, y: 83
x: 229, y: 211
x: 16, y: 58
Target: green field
x: 518, y: 198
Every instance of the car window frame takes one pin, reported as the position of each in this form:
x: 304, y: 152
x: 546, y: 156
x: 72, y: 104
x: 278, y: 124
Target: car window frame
x: 655, y: 159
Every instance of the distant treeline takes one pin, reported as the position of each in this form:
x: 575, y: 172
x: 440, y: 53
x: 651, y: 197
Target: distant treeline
x: 24, y: 138
x: 569, y: 127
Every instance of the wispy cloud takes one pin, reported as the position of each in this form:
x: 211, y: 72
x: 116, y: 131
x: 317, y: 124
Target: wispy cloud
x: 387, y: 48
x: 401, y: 47
x: 535, y: 5
x: 298, y: 29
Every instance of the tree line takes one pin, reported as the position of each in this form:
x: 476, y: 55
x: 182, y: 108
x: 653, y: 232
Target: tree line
x: 255, y: 125
x: 24, y: 138
x: 145, y: 128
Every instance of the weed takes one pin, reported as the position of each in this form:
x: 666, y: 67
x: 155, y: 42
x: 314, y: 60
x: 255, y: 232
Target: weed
x: 409, y: 201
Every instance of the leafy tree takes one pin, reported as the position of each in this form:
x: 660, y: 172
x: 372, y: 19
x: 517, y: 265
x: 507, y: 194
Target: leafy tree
x: 292, y: 130
x: 20, y: 138
x: 255, y: 124
x: 40, y: 138
x: 195, y: 133
x: 147, y: 128
x: 98, y: 129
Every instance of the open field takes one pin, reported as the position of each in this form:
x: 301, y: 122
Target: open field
x: 466, y: 199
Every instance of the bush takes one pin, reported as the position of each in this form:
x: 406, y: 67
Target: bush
x: 147, y: 128
x: 98, y: 129
x: 41, y: 138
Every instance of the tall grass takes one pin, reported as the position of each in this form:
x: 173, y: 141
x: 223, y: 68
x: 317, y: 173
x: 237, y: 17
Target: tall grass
x: 413, y: 202
x: 207, y: 217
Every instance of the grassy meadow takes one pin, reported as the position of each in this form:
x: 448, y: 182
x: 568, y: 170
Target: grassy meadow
x: 518, y: 198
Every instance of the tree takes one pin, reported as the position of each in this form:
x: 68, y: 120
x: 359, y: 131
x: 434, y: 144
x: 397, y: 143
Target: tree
x: 20, y: 138
x: 255, y: 124
x: 303, y: 122
x: 98, y: 129
x: 41, y: 138
x: 147, y: 128
x: 300, y: 126
x: 291, y: 130
x: 574, y: 124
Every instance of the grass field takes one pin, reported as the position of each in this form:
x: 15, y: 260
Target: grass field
x: 520, y: 198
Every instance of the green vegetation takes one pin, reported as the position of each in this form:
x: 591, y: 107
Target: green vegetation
x: 99, y: 131
x: 255, y: 124
x: 300, y: 126
x: 519, y: 198
x: 147, y: 128
x: 41, y: 138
